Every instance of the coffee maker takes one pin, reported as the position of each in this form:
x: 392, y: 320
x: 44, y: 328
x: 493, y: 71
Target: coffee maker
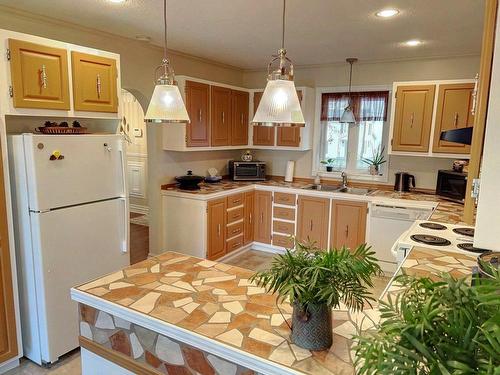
x: 403, y: 181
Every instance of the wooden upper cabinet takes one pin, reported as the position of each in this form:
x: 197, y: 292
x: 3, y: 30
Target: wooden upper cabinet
x: 348, y: 224
x: 221, y: 116
x: 39, y: 76
x: 262, y: 211
x: 312, y: 220
x: 453, y: 112
x: 289, y: 136
x: 197, y: 104
x: 8, y: 337
x: 262, y: 135
x: 249, y: 217
x: 216, y: 228
x: 413, y: 118
x: 94, y: 83
x: 239, y: 124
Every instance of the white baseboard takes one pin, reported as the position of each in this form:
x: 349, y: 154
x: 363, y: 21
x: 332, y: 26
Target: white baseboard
x: 234, y: 254
x: 9, y: 365
x: 138, y: 209
x: 267, y: 248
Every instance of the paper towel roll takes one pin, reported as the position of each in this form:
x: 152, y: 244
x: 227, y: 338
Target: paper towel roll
x: 290, y: 165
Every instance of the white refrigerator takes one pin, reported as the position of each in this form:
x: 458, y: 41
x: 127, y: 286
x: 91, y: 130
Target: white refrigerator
x: 70, y: 207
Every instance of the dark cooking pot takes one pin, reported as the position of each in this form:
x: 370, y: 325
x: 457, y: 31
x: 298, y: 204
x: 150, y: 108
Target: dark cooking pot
x: 490, y: 258
x: 189, y: 181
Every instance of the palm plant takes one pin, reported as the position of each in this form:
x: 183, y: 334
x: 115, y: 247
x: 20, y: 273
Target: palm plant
x: 377, y: 159
x: 442, y: 328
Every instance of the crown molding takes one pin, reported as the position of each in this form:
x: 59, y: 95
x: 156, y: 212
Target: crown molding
x: 41, y: 18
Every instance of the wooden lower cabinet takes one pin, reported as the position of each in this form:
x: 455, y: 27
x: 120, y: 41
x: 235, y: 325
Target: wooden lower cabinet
x: 216, y: 228
x: 348, y: 224
x: 248, y: 225
x: 8, y: 336
x: 262, y: 212
x: 313, y: 218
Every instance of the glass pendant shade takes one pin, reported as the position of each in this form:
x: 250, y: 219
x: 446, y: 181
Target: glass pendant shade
x: 348, y: 116
x: 279, y: 105
x: 166, y: 105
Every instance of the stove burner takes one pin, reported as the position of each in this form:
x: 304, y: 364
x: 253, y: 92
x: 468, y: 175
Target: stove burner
x: 467, y: 246
x: 464, y: 231
x: 434, y: 226
x: 430, y: 240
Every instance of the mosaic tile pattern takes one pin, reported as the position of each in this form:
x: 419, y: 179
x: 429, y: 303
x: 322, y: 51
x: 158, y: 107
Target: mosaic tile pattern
x: 217, y: 301
x: 164, y: 354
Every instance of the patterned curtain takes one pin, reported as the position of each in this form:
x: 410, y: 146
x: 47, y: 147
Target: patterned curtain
x: 367, y: 106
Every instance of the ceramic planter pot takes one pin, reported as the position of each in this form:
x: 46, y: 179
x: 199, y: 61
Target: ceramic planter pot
x: 374, y: 170
x: 329, y: 168
x: 312, y: 326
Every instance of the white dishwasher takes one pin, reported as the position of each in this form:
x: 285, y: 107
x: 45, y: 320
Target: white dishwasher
x: 387, y: 223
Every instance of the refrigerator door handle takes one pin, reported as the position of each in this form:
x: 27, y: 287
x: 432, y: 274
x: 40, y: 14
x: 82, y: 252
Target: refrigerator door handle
x: 124, y: 168
x: 126, y: 233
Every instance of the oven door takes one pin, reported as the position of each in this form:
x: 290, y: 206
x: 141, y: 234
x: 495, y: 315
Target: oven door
x: 246, y: 171
x: 451, y: 186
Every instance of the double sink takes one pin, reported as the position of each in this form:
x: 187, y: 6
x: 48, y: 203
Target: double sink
x: 340, y: 189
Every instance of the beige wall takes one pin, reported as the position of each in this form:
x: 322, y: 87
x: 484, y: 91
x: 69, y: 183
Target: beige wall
x: 138, y: 62
x: 366, y: 74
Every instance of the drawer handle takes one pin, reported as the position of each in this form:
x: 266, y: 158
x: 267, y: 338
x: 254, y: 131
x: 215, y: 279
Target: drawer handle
x: 43, y: 77
x: 223, y: 118
x: 235, y: 245
x: 250, y: 218
x: 199, y: 115
x: 236, y: 231
x: 347, y: 231
x: 236, y: 216
x: 241, y: 119
x: 311, y: 225
x: 98, y: 83
x: 237, y: 201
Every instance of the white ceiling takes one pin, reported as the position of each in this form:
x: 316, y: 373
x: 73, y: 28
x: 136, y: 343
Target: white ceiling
x: 244, y: 33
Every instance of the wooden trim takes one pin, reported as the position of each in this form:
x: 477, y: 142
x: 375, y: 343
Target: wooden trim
x: 476, y: 151
x: 8, y: 344
x: 117, y: 358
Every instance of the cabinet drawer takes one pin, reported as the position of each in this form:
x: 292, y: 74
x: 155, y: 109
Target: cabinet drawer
x: 284, y: 213
x: 283, y: 227
x: 235, y: 200
x: 283, y: 241
x: 285, y: 198
x: 234, y: 229
x: 234, y: 243
x: 234, y: 215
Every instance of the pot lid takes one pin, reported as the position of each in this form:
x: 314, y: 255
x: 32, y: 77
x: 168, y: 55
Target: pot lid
x: 189, y: 177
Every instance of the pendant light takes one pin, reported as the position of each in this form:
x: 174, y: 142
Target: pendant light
x: 279, y: 105
x: 166, y: 104
x: 348, y: 115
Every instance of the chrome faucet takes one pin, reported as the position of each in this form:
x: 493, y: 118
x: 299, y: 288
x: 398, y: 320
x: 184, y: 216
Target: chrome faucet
x: 344, y: 180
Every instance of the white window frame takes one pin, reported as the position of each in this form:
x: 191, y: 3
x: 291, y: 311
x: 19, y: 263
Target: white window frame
x: 316, y: 165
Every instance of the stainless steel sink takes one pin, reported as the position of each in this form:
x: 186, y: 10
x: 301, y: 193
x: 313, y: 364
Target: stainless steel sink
x: 322, y: 187
x: 339, y: 189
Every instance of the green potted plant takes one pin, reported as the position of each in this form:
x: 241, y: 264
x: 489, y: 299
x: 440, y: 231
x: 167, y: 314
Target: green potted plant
x: 315, y: 281
x: 436, y: 327
x: 328, y: 163
x: 376, y: 161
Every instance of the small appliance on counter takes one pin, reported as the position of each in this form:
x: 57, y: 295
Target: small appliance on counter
x: 403, y: 182
x: 451, y: 185
x: 247, y: 170
x: 189, y: 181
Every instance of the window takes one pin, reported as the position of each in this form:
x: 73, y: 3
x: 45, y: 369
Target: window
x: 349, y: 144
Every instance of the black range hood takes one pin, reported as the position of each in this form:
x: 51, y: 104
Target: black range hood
x: 462, y: 135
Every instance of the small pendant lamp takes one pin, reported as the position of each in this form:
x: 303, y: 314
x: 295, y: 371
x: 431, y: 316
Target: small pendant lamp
x: 348, y: 115
x: 280, y: 105
x: 166, y: 104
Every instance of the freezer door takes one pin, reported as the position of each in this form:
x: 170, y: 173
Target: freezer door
x: 65, y: 170
x: 73, y: 246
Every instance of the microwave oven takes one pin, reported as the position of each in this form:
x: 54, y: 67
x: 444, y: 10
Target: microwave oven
x: 247, y: 170
x: 451, y: 185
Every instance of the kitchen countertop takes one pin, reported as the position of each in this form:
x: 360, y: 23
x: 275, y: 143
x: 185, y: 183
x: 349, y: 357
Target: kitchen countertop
x: 445, y: 211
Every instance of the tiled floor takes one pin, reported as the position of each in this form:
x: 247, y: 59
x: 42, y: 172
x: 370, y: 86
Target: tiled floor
x: 252, y: 259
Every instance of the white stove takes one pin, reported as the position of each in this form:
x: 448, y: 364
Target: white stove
x: 439, y: 236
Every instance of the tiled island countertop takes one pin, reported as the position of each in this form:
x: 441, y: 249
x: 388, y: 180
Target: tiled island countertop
x: 184, y: 315
x: 445, y: 211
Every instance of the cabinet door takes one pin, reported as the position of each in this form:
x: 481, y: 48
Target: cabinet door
x: 262, y: 228
x: 8, y: 337
x: 197, y: 102
x: 453, y: 112
x: 289, y: 136
x: 312, y: 220
x: 413, y: 118
x: 221, y: 116
x: 262, y: 135
x: 348, y: 226
x: 94, y: 83
x: 39, y: 76
x: 216, y: 228
x: 239, y: 124
x: 248, y: 229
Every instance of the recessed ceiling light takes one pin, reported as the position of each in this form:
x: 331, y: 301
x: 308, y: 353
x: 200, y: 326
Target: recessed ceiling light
x: 386, y: 13
x: 413, y: 43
